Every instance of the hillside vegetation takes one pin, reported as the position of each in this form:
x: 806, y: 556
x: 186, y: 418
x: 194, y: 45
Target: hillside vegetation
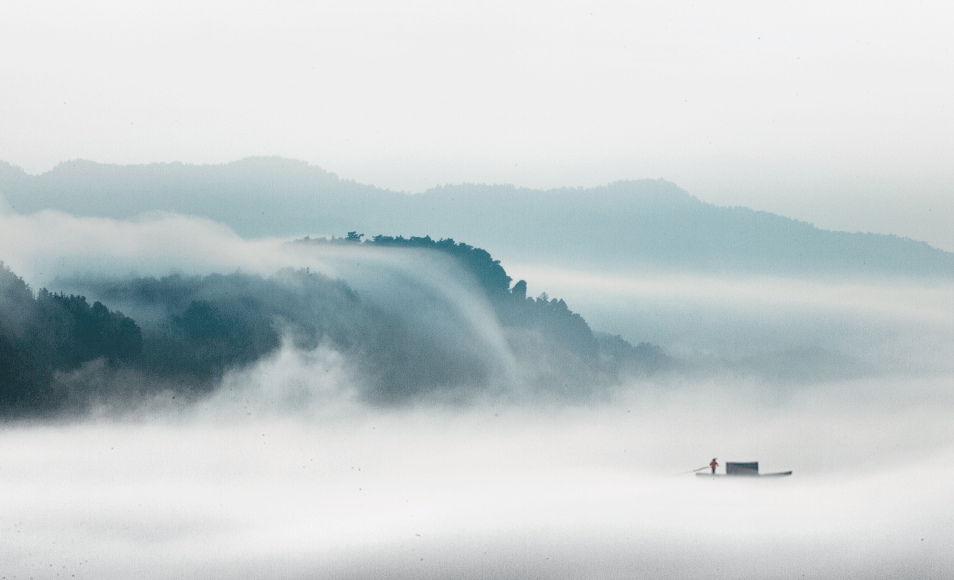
x: 58, y: 353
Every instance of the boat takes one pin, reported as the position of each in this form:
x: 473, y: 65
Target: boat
x: 747, y: 469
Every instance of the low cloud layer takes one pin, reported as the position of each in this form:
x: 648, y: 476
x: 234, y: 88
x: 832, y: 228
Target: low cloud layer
x: 284, y: 470
x: 882, y: 325
x: 493, y: 492
x: 733, y: 317
x: 48, y: 244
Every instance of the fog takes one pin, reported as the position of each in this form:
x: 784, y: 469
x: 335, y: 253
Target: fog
x: 493, y: 492
x: 42, y: 246
x: 285, y: 471
x: 894, y: 324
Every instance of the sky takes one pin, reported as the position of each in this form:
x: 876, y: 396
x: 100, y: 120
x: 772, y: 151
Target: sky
x: 835, y: 114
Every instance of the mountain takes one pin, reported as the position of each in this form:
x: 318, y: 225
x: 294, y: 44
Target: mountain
x: 59, y: 353
x: 627, y: 224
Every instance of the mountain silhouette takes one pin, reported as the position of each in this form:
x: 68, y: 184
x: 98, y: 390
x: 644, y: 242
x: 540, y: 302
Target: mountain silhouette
x: 623, y: 225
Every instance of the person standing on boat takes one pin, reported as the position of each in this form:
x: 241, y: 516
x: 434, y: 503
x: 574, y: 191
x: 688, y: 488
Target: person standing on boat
x: 713, y: 464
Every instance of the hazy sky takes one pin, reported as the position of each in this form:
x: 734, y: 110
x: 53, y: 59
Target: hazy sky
x: 838, y: 115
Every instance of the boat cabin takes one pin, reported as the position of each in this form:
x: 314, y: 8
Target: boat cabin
x: 734, y: 468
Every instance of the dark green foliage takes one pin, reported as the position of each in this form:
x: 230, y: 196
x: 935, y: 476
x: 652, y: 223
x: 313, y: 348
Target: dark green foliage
x: 205, y: 324
x: 191, y: 330
x: 22, y: 376
x: 208, y: 324
x: 621, y: 357
x: 221, y: 338
x: 49, y: 333
x: 551, y: 319
x: 488, y: 272
x: 25, y: 379
x: 81, y: 332
x: 539, y: 327
x: 519, y: 290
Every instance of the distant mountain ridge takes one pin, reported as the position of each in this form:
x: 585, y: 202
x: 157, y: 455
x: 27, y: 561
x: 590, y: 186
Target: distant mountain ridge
x: 627, y: 224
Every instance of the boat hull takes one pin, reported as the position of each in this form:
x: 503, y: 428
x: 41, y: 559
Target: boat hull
x: 745, y: 475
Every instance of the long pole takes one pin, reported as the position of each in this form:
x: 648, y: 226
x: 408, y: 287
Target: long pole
x: 692, y: 471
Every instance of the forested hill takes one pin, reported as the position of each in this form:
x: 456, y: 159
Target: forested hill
x: 60, y: 353
x: 53, y: 333
x: 646, y: 223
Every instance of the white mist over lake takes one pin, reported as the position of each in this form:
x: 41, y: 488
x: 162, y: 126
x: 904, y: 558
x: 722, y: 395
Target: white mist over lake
x: 264, y: 490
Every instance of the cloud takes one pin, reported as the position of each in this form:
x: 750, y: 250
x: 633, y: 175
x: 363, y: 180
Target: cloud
x: 492, y: 491
x: 889, y: 325
x: 47, y: 244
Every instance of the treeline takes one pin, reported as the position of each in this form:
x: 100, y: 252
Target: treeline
x: 551, y: 319
x: 488, y: 272
x: 537, y: 327
x: 190, y: 330
x: 49, y: 333
x: 196, y: 328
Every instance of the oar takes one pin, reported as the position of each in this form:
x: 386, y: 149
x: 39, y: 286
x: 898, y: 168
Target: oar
x: 693, y: 471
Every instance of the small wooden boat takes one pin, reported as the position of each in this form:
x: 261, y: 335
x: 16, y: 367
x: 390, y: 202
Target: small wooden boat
x: 748, y: 469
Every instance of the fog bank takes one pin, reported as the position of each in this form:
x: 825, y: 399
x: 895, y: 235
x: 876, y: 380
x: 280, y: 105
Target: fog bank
x: 492, y: 492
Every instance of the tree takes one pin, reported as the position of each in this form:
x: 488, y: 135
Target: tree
x: 520, y: 290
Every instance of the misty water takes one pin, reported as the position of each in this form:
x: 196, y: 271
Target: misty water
x: 284, y: 471
x: 247, y: 485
